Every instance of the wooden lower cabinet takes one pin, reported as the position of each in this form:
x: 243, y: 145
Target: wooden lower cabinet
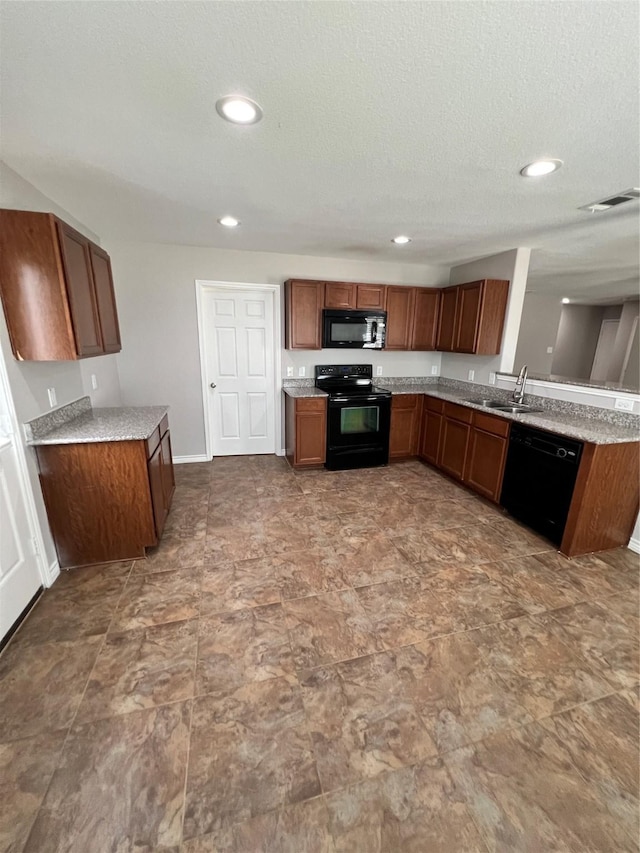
x: 107, y: 501
x: 468, y: 445
x: 405, y: 425
x: 487, y: 455
x: 454, y: 439
x: 430, y: 431
x: 306, y: 431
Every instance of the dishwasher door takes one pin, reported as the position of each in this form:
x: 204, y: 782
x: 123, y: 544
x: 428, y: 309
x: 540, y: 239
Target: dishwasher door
x: 539, y: 479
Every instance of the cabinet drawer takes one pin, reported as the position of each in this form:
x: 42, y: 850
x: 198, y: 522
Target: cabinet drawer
x: 405, y: 401
x: 489, y: 423
x: 153, y: 441
x: 458, y: 413
x: 311, y: 404
x: 433, y: 404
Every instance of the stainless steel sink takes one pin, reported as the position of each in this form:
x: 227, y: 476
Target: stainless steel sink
x: 515, y: 409
x: 487, y: 402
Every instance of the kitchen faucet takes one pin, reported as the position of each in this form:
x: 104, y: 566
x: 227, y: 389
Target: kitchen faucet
x: 518, y: 391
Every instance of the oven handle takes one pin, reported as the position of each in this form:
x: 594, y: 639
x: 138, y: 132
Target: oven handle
x: 338, y: 403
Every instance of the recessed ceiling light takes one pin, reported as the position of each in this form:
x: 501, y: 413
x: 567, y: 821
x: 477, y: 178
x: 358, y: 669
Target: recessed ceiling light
x: 229, y: 221
x: 566, y: 301
x: 401, y: 240
x: 238, y: 109
x: 539, y: 168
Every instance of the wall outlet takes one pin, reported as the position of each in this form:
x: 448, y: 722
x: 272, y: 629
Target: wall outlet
x: 289, y: 371
x: 379, y: 370
x: 492, y: 379
x: 549, y: 350
x: 624, y: 404
x: 471, y: 374
x: 51, y: 393
x: 434, y: 369
x: 302, y: 371
x: 94, y: 381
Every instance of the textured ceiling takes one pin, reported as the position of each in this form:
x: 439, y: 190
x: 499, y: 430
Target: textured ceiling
x: 379, y: 118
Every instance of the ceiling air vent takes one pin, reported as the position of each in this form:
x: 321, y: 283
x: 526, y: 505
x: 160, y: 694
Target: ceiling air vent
x: 612, y: 201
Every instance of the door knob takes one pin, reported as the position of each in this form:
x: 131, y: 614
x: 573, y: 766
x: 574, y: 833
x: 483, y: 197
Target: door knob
x: 213, y: 384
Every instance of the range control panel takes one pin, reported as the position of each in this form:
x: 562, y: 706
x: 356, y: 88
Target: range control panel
x: 344, y: 371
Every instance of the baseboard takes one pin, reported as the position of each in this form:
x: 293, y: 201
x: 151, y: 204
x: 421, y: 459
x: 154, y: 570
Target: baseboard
x: 182, y: 460
x: 634, y: 545
x: 52, y: 572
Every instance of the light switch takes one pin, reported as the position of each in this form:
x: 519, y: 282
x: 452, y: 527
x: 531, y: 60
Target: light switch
x: 471, y: 374
x: 94, y: 381
x: 434, y: 369
x: 549, y: 350
x: 379, y: 370
x: 302, y: 371
x: 289, y: 371
x: 51, y: 393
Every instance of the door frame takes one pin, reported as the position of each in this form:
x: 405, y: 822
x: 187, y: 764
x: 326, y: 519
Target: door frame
x: 11, y: 425
x: 204, y: 286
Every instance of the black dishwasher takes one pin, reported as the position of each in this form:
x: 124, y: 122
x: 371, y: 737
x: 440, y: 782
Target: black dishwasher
x: 539, y: 478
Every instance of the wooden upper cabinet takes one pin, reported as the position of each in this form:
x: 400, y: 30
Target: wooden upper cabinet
x: 472, y: 317
x: 76, y: 262
x: 400, y: 309
x: 56, y: 290
x: 447, y: 319
x: 468, y: 316
x: 303, y: 315
x: 371, y: 296
x: 338, y: 294
x: 425, y: 319
x: 106, y: 299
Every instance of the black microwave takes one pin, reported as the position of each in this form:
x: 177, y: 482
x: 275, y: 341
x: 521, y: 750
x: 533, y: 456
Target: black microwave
x: 353, y: 329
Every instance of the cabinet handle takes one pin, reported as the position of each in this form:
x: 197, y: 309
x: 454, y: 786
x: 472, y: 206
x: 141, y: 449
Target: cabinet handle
x: 213, y: 384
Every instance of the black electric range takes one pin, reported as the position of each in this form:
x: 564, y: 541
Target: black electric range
x: 358, y: 416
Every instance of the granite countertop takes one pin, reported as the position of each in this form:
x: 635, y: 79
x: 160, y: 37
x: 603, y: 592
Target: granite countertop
x: 303, y: 391
x: 575, y: 426
x: 127, y: 423
x: 571, y: 420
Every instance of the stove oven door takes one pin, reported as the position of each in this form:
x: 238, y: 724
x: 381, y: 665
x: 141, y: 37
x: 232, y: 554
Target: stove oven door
x: 358, y: 431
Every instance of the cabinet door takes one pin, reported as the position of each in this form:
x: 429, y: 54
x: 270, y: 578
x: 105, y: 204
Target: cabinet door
x: 168, y: 479
x: 468, y: 319
x: 105, y: 297
x: 304, y: 314
x: 454, y: 445
x: 158, y: 502
x: 339, y: 294
x: 80, y: 290
x: 311, y: 432
x: 447, y: 319
x: 400, y: 307
x: 405, y: 425
x: 485, y: 466
x: 430, y: 436
x: 371, y: 296
x: 425, y: 318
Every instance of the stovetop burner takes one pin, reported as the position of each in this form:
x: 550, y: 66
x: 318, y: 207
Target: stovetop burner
x: 348, y: 380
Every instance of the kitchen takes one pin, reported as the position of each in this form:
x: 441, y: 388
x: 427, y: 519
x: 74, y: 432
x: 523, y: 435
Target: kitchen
x: 159, y: 364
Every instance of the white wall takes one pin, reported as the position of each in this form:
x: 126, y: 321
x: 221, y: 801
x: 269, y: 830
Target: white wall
x: 513, y: 266
x: 155, y: 290
x: 29, y: 380
x: 630, y: 311
x: 538, y: 331
x: 577, y: 340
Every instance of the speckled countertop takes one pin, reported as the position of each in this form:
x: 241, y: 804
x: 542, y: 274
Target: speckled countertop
x: 303, y: 391
x: 126, y: 423
x: 585, y: 423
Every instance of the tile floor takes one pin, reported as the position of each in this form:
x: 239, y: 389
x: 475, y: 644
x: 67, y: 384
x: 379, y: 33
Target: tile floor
x: 324, y: 662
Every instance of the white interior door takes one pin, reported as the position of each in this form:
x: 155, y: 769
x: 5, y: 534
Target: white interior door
x: 604, y: 350
x: 239, y: 366
x: 19, y: 571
